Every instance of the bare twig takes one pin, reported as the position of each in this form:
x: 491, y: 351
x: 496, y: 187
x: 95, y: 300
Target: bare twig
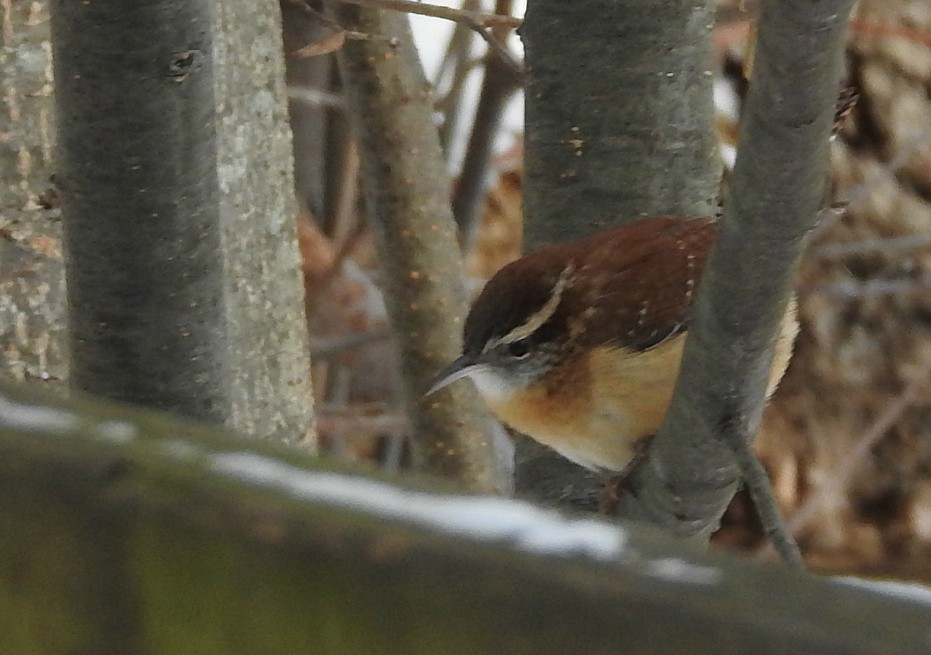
x: 457, y: 64
x: 324, y: 46
x: 504, y: 54
x: 895, y: 31
x: 458, y: 48
x: 497, y: 87
x: 757, y: 482
x: 343, y: 251
x: 394, y: 451
x: 474, y: 19
x: 316, y: 97
x: 452, y: 105
x: 326, y: 21
x: 345, y: 220
x: 479, y: 22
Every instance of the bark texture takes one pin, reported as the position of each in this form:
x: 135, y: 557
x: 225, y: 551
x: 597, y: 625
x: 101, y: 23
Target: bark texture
x: 33, y: 338
x: 407, y: 196
x: 271, y: 394
x: 619, y: 125
x: 619, y: 115
x: 130, y: 532
x: 176, y: 169
x: 775, y: 193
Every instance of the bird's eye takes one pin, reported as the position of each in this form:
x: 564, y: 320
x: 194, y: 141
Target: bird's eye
x: 519, y: 349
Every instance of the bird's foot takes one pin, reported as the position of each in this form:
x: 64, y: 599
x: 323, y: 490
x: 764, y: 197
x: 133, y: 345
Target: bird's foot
x: 616, y: 487
x: 610, y: 496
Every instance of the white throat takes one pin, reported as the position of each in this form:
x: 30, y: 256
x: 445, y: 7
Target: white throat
x: 493, y: 386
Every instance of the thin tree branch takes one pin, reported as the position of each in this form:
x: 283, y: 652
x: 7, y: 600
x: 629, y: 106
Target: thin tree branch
x: 347, y: 422
x: 777, y: 187
x: 479, y: 22
x: 333, y: 25
x: 761, y: 491
x: 407, y: 197
x: 457, y: 48
x: 456, y: 65
x: 498, y: 85
x: 504, y: 54
x: 474, y: 19
x: 316, y: 97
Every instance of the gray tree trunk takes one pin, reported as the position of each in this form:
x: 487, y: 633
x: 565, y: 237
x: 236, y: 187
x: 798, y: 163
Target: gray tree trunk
x: 137, y: 164
x: 184, y: 274
x: 619, y: 125
x: 619, y: 117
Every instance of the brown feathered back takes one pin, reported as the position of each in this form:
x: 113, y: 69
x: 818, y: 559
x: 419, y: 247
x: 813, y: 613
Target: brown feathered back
x: 618, y: 270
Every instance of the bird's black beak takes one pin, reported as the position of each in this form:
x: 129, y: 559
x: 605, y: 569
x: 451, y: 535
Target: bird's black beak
x: 462, y: 367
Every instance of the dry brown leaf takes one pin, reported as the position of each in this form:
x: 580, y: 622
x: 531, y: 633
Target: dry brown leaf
x: 324, y: 46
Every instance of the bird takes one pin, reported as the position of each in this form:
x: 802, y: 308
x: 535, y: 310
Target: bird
x: 578, y: 345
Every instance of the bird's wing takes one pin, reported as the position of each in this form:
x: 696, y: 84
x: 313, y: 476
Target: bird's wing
x: 640, y: 282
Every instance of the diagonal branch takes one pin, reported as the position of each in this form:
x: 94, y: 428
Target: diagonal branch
x: 777, y: 185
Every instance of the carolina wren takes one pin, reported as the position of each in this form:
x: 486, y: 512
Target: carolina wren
x: 578, y: 345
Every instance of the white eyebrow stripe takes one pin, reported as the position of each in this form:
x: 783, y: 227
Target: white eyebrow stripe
x: 542, y: 315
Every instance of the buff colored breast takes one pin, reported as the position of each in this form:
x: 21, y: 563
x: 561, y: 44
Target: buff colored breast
x: 632, y: 390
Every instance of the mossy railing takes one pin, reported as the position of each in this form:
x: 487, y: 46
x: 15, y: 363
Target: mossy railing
x: 123, y: 531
